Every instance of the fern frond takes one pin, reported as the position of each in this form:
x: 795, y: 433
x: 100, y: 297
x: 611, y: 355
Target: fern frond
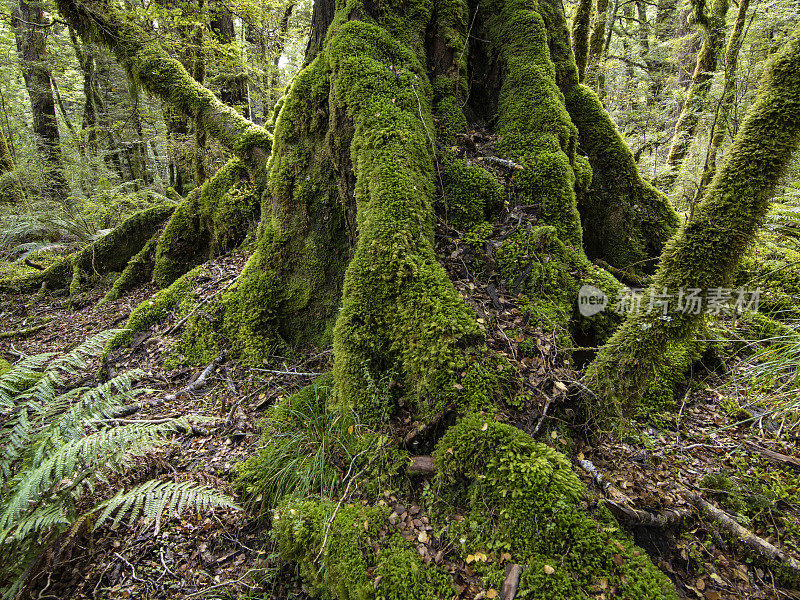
x: 152, y: 498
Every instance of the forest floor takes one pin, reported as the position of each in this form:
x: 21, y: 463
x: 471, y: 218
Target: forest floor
x: 740, y: 466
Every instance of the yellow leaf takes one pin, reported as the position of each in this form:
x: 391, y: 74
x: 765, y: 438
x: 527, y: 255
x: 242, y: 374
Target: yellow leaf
x: 485, y: 427
x: 350, y: 429
x: 470, y: 558
x: 549, y: 570
x: 491, y: 593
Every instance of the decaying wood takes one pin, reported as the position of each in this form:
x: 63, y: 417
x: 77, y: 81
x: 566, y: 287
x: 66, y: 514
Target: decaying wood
x: 623, y: 507
x: 501, y: 162
x: 776, y: 457
x: 21, y: 332
x: 748, y: 541
x: 422, y: 465
x: 661, y: 519
x: 511, y: 581
x: 421, y: 430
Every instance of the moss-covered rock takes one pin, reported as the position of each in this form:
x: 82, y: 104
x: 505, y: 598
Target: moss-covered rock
x: 521, y: 497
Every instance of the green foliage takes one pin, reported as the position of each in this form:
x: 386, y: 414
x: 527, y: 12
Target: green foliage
x: 59, y: 447
x: 311, y: 449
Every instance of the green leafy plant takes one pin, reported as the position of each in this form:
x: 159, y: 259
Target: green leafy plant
x: 60, y: 450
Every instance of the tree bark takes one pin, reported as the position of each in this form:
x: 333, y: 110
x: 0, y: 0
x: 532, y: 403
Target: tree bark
x: 713, y: 26
x: 30, y: 31
x: 580, y: 35
x: 720, y: 125
x: 706, y: 252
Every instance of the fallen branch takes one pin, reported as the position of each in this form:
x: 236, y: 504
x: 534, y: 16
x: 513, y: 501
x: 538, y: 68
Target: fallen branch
x: 661, y: 519
x: 788, y: 567
x: 129, y: 409
x: 298, y: 373
x: 201, y: 380
x: 511, y: 581
x: 21, y: 332
x: 623, y: 508
x: 776, y: 457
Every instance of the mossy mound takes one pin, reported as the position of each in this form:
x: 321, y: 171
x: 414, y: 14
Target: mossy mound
x: 361, y: 560
x: 472, y: 195
x: 210, y: 221
x: 550, y: 274
x: 521, y: 497
x: 5, y: 366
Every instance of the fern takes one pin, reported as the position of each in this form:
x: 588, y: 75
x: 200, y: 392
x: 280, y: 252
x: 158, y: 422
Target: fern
x: 57, y: 446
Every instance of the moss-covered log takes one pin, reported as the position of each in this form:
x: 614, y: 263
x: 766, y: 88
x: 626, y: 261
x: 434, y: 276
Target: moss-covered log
x: 211, y: 220
x: 706, y: 252
x: 110, y: 253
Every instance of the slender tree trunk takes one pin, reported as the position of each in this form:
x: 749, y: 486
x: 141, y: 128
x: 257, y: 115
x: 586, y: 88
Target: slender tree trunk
x: 720, y: 125
x: 581, y: 20
x: 280, y: 44
x: 30, y: 31
x: 713, y: 26
x: 597, y: 44
x: 706, y: 252
x: 199, y: 75
x: 233, y: 83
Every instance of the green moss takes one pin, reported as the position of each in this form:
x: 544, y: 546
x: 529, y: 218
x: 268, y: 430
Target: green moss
x: 107, y: 254
x: 155, y: 309
x: 209, y: 222
x: 5, y: 366
x: 137, y: 271
x: 522, y: 497
x: 472, y: 195
x: 705, y: 254
x: 11, y: 190
x: 358, y: 562
x: 290, y: 290
x: 399, y: 310
x: 626, y: 221
x: 555, y: 274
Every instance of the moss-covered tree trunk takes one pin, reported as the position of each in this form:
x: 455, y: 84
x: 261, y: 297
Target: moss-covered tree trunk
x: 30, y: 28
x: 706, y: 252
x: 713, y: 27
